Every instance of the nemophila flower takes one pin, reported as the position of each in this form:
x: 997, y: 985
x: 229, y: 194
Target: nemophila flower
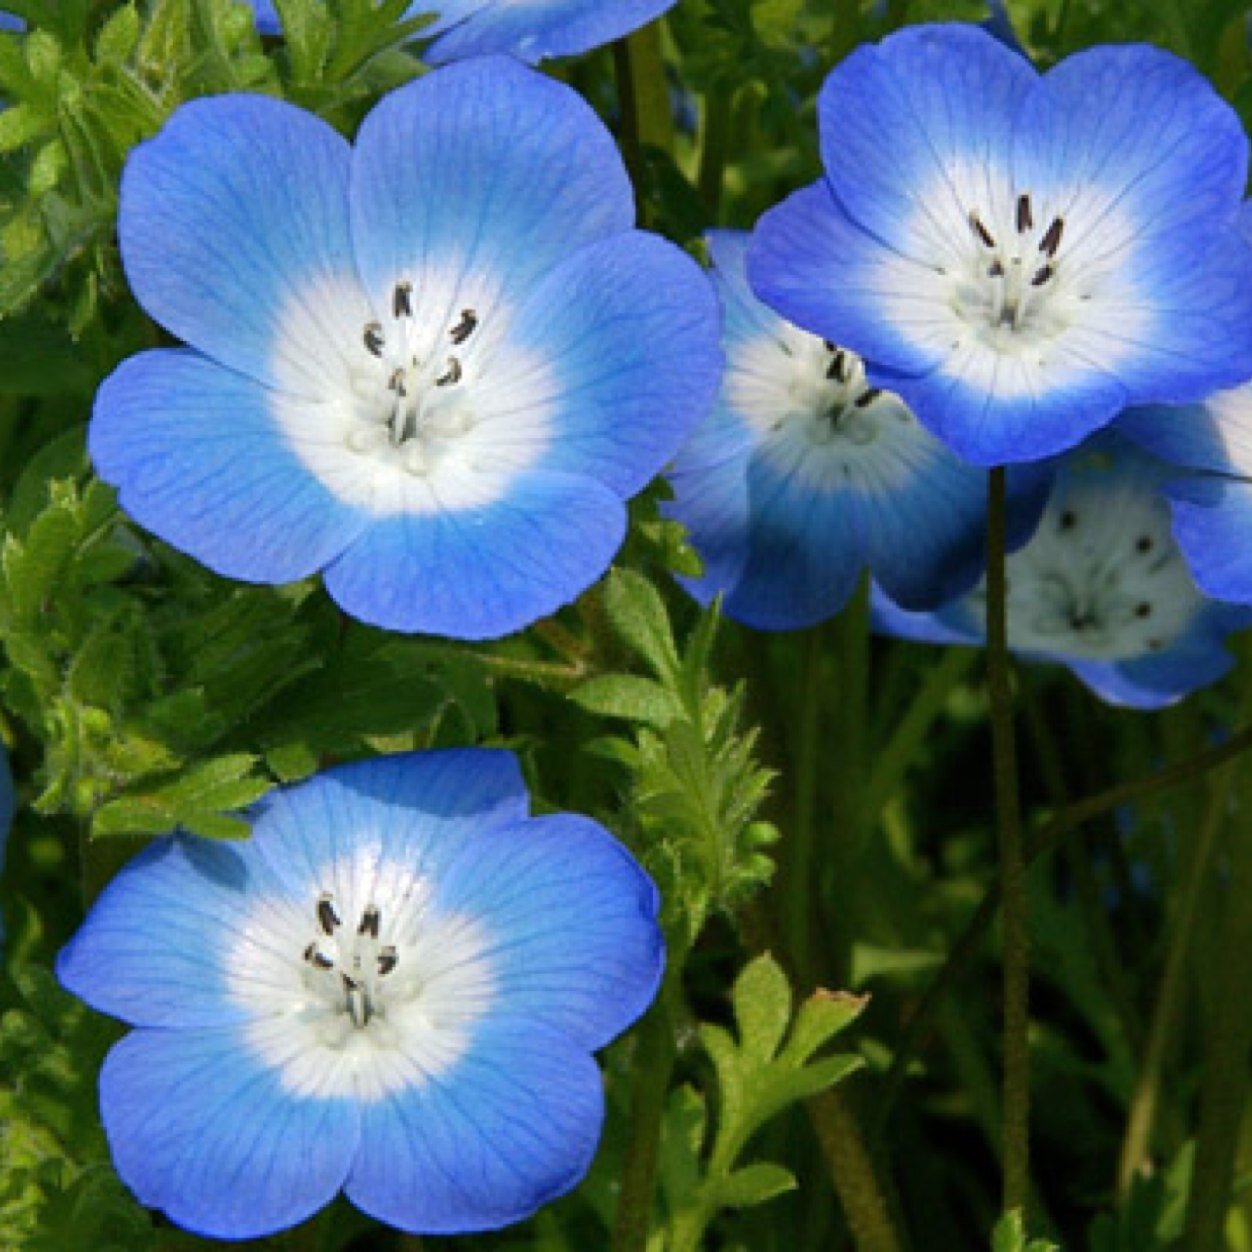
x: 392, y: 988
x: 1020, y: 256
x: 531, y: 30
x: 805, y: 473
x: 1101, y: 588
x: 432, y: 366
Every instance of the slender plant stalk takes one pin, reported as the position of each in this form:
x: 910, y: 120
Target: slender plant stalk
x: 1224, y: 1086
x: 1047, y: 839
x: 643, y: 94
x: 714, y: 147
x: 852, y: 1172
x: 1016, y: 925
x: 653, y: 1066
x: 1174, y: 993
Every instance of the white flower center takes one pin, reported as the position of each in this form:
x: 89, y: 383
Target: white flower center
x: 1101, y: 580
x: 367, y: 988
x: 819, y: 417
x: 415, y: 401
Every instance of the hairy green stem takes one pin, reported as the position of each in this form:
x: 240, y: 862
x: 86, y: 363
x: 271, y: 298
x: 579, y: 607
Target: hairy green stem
x: 643, y: 94
x: 1047, y: 839
x: 714, y: 147
x: 1224, y: 1086
x: 852, y: 1172
x: 650, y: 1076
x: 1016, y: 926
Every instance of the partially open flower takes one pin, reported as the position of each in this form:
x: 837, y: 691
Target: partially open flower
x: 1101, y: 588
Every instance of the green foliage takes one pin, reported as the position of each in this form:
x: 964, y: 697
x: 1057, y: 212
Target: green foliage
x: 57, y: 1189
x: 1010, y: 1236
x: 767, y: 1068
x: 695, y: 785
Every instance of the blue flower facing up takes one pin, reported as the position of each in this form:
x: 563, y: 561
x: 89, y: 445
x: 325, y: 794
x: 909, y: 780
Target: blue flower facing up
x: 393, y: 988
x: 1020, y: 256
x: 531, y: 30
x: 804, y: 474
x: 1101, y: 588
x: 433, y: 366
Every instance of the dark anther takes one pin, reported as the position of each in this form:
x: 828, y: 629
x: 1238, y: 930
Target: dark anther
x: 349, y: 984
x: 320, y: 959
x: 453, y: 376
x: 1143, y: 610
x: 867, y: 397
x: 995, y: 270
x: 1052, y: 237
x: 396, y: 383
x: 1042, y: 276
x: 387, y: 961
x: 1024, y: 219
x: 837, y: 369
x: 402, y: 300
x: 1154, y: 645
x: 327, y: 918
x: 1068, y: 519
x: 369, y: 923
x: 465, y: 327
x: 830, y: 347
x: 1144, y: 544
x: 980, y: 230
x: 374, y: 339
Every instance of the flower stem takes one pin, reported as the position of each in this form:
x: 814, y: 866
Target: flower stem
x: 718, y: 106
x: 1224, y: 1086
x: 1047, y: 839
x: 643, y: 94
x: 1016, y: 927
x: 653, y: 1064
x: 852, y: 1171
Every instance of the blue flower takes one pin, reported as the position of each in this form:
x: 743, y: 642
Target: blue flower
x: 393, y: 988
x: 1101, y: 588
x: 1020, y: 256
x: 531, y: 30
x: 804, y: 474
x: 433, y: 366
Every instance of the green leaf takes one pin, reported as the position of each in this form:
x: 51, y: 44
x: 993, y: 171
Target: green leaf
x: 1010, y: 1236
x: 754, y: 1184
x: 629, y: 697
x: 639, y: 617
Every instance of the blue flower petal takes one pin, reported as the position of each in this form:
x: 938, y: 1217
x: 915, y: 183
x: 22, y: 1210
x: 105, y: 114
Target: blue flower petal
x: 486, y: 571
x: 812, y: 263
x: 422, y: 808
x: 531, y: 31
x: 150, y: 950
x: 481, y: 178
x: 625, y: 334
x: 1212, y: 521
x: 198, y: 458
x: 201, y: 1131
x: 788, y: 581
x: 232, y: 221
x: 511, y: 1126
x: 1216, y: 435
x: 907, y: 124
x: 1155, y: 682
x: 572, y: 923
